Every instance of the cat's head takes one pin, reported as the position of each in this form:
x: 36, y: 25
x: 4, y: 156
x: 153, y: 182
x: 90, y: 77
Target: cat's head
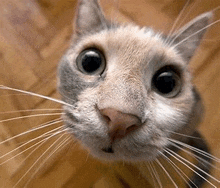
x: 129, y: 87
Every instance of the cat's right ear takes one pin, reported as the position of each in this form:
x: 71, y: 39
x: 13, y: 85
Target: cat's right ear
x: 89, y: 17
x: 188, y: 38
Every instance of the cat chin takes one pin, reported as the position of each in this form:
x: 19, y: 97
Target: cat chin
x: 118, y: 154
x: 120, y: 150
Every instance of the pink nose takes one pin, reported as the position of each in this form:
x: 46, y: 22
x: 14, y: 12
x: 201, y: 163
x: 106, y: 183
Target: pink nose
x: 120, y: 124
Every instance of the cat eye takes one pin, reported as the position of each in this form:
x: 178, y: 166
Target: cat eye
x: 91, y: 61
x: 167, y: 82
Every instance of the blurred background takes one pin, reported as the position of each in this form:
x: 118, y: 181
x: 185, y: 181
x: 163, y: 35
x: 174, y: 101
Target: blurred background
x: 33, y: 36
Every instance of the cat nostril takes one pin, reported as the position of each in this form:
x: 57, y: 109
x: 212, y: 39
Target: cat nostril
x: 132, y: 128
x: 108, y: 150
x: 107, y: 119
x: 119, y: 123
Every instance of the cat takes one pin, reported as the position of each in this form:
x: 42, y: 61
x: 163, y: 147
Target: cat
x: 127, y: 91
x: 129, y: 88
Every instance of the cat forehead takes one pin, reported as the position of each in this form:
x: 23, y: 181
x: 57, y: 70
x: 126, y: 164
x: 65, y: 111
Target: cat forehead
x: 130, y: 45
x: 128, y: 39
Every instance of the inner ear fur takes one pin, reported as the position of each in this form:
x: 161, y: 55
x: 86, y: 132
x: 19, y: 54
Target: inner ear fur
x: 89, y: 17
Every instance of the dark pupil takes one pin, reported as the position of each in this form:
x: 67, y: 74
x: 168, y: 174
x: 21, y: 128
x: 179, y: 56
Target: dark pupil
x: 165, y: 82
x: 91, y: 61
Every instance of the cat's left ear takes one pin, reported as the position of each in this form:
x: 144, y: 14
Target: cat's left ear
x: 90, y: 17
x: 188, y: 38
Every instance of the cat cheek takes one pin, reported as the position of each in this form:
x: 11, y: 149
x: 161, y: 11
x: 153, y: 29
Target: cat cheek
x: 168, y: 116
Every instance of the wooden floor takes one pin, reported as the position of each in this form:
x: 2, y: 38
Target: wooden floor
x: 33, y: 36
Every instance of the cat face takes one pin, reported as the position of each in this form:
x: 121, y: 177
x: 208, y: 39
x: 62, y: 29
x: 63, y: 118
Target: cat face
x: 128, y: 87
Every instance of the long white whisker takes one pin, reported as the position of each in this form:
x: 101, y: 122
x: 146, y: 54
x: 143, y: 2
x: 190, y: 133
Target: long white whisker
x: 40, y: 142
x: 30, y: 141
x: 59, y: 146
x: 48, y: 134
x: 215, y: 9
x: 30, y: 110
x: 171, y: 179
x: 38, y: 160
x: 178, y: 170
x: 151, y: 173
x: 183, y: 135
x: 35, y: 94
x: 185, y: 16
x: 189, y: 167
x: 174, y: 46
x: 208, y: 155
x: 194, y: 166
x: 196, y: 150
x: 44, y: 141
x: 30, y: 116
x: 34, y: 129
x: 187, y: 13
x: 195, y: 156
x: 155, y: 174
x: 177, y: 20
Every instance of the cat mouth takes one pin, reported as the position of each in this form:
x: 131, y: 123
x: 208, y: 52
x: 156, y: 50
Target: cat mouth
x: 108, y: 150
